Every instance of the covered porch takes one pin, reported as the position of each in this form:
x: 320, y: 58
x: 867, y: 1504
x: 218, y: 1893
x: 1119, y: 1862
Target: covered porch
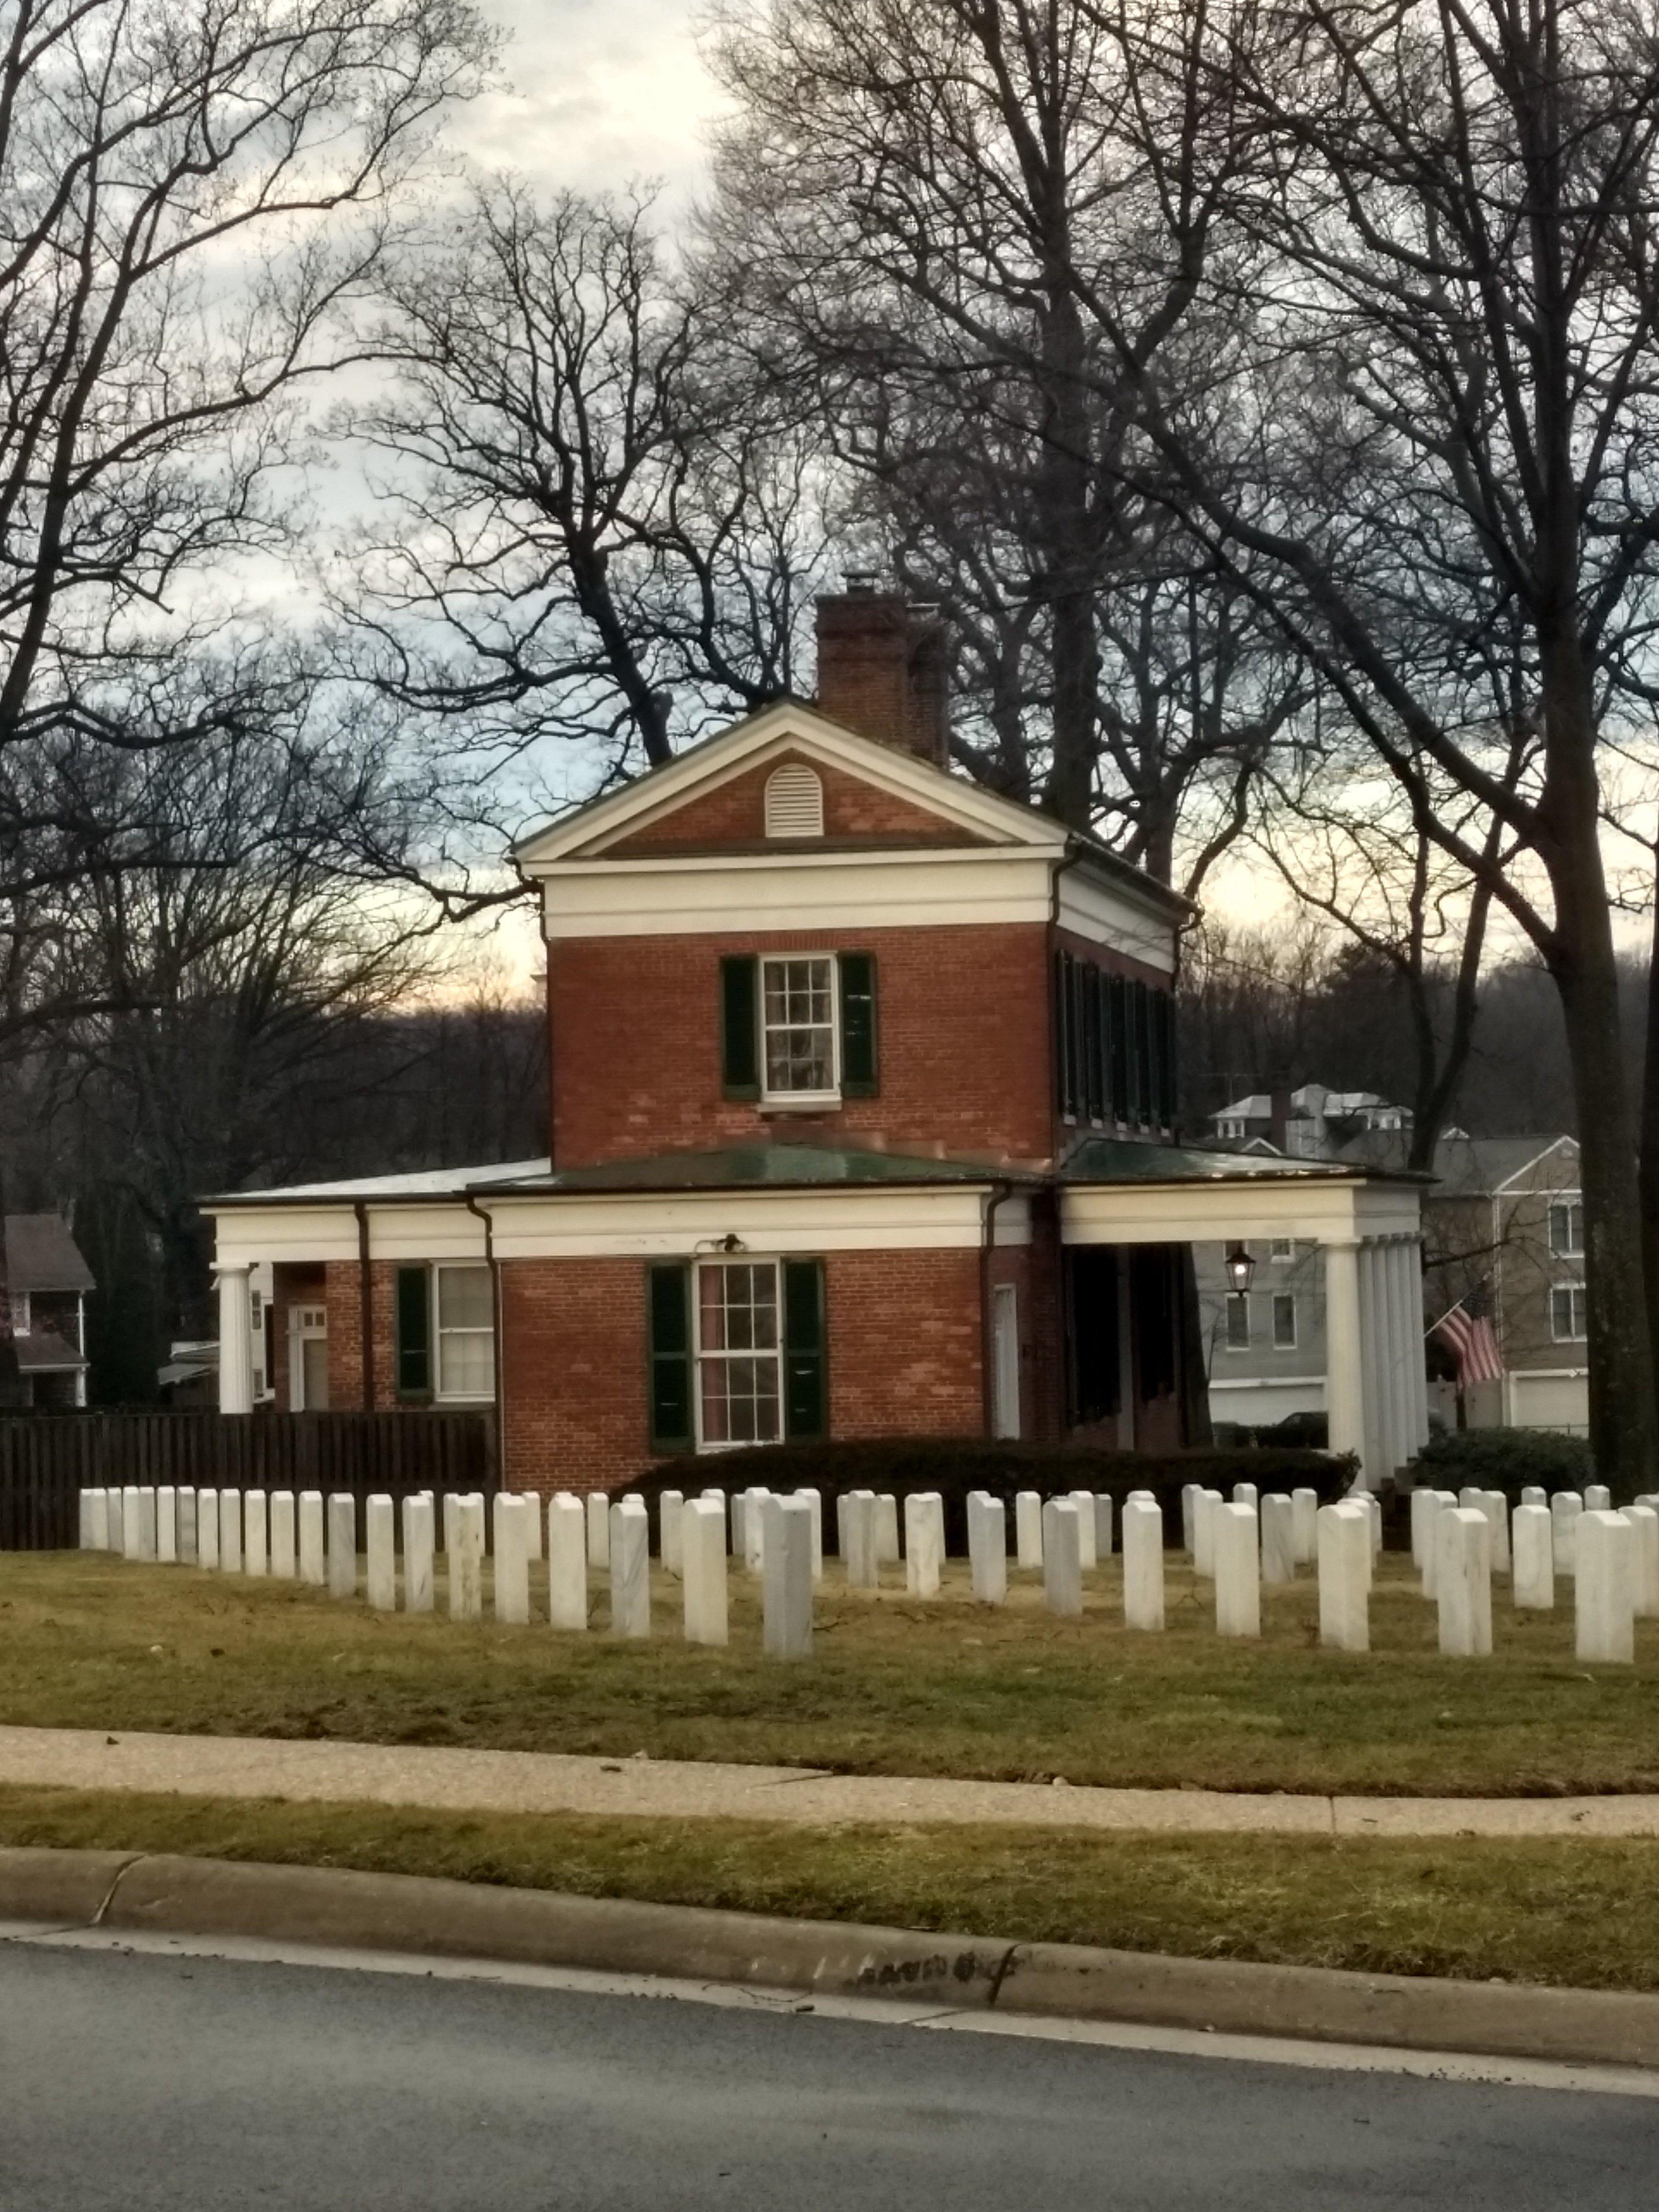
x: 1366, y: 1226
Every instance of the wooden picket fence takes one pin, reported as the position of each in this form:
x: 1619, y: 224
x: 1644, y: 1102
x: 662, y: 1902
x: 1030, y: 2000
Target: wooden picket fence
x: 46, y: 1458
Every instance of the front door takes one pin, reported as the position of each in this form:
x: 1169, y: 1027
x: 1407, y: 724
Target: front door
x: 307, y: 1365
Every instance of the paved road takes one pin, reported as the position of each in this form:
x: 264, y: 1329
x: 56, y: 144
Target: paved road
x: 133, y: 2081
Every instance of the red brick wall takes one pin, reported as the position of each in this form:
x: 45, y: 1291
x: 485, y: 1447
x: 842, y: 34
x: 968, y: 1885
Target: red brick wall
x: 295, y: 1286
x: 346, y: 1333
x: 735, y: 814
x: 963, y: 1017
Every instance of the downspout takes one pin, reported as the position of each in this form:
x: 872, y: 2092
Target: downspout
x: 365, y: 1308
x: 494, y: 1265
x: 987, y: 1348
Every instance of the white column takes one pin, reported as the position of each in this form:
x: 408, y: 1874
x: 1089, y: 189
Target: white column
x: 1391, y: 1416
x: 342, y: 1544
x: 1143, y: 1563
x: 1532, y: 1583
x: 1062, y: 1563
x: 1345, y: 1384
x: 1604, y: 1596
x: 236, y: 1341
x: 380, y: 1553
x: 466, y: 1560
x: 313, y: 1569
x: 256, y: 1536
x: 702, y: 1569
x: 511, y: 1578
x: 1028, y: 1529
x: 1238, y: 1571
x: 630, y: 1568
x: 417, y: 1552
x: 787, y: 1579
x: 1416, y: 1337
x: 987, y: 1546
x: 924, y: 1542
x: 567, y: 1560
x: 1371, y: 1363
x: 1399, y: 1250
x: 1462, y: 1582
x: 1344, y: 1546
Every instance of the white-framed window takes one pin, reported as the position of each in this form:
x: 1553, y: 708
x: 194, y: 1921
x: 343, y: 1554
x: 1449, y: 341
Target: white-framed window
x: 737, y: 1342
x: 1284, y: 1322
x: 799, y: 1048
x: 1281, y: 1247
x: 1567, y: 1313
x: 1004, y: 1365
x: 22, y: 1320
x: 464, y: 1330
x: 1567, y: 1228
x: 794, y: 801
x: 1238, y: 1321
x: 1232, y: 1128
x: 307, y: 1358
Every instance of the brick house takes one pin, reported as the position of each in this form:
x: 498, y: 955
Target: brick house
x: 862, y: 1095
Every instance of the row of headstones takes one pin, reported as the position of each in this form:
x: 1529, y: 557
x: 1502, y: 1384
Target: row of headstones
x: 1459, y: 1542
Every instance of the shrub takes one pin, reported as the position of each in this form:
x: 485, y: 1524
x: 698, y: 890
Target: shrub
x: 953, y: 1466
x: 1506, y: 1460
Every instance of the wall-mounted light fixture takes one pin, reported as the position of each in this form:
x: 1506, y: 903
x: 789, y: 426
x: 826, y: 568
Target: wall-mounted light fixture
x: 1241, y: 1268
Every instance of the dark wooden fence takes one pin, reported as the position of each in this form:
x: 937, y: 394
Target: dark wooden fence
x: 46, y: 1458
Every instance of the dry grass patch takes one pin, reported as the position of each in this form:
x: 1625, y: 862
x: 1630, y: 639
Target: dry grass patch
x: 896, y: 1687
x: 1577, y: 1914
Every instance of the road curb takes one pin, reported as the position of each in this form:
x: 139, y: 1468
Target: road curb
x: 341, y: 1908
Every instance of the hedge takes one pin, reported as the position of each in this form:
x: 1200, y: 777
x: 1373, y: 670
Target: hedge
x: 1507, y: 1460
x: 954, y: 1466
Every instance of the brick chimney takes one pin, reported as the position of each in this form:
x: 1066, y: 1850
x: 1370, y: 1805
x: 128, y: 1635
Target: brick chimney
x: 882, y: 669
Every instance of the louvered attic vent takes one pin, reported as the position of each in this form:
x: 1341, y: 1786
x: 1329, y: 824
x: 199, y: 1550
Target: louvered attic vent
x: 794, y: 802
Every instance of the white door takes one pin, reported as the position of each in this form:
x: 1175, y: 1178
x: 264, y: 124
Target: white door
x: 1004, y: 1360
x: 307, y: 1359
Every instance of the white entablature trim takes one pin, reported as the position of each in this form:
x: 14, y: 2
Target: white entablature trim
x: 644, y: 1225
x: 1248, y: 1211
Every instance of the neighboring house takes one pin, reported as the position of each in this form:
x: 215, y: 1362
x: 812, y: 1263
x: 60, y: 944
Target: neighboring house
x: 1312, y: 1123
x: 863, y: 1081
x: 48, y: 1281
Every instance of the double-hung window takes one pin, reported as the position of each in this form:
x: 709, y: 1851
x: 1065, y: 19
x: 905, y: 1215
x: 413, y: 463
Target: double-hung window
x: 1567, y: 1324
x: 739, y: 1353
x: 445, y: 1333
x: 1238, y: 1321
x: 1567, y: 1228
x: 1284, y: 1321
x: 799, y: 1058
x: 736, y: 1353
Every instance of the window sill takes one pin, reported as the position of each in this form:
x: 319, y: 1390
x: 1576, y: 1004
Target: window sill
x: 814, y: 1102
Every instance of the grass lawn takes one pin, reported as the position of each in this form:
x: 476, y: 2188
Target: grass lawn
x: 1575, y: 1913
x: 894, y: 1686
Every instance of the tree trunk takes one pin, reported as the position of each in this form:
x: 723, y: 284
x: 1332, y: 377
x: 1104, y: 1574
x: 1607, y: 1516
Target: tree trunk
x: 12, y: 1391
x: 1648, y: 1175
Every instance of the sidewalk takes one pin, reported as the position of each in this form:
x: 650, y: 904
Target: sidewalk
x: 547, y: 1782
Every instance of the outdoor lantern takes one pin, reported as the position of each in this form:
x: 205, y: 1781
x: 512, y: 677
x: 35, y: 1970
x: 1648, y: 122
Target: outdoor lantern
x: 1240, y: 1268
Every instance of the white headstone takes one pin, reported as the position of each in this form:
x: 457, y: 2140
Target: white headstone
x: 1245, y: 1494
x: 465, y: 1560
x: 230, y: 1532
x: 1373, y: 1505
x: 887, y: 1535
x: 1462, y: 1582
x: 815, y: 1507
x: 1304, y: 1521
x: 380, y: 1553
x: 512, y: 1547
x: 1238, y: 1571
x: 1084, y: 1502
x: 312, y: 1566
x: 670, y: 1506
x: 1278, y: 1537
x: 1598, y: 1499
x: 1435, y: 1503
x: 147, y: 1522
x: 1604, y: 1596
x: 1532, y: 1583
x: 1143, y: 1563
x: 598, y: 1529
x: 120, y: 1512
x: 283, y: 1558
x: 787, y: 1579
x: 715, y: 1496
x: 207, y: 1529
x: 703, y: 1571
x: 1343, y: 1555
x: 532, y: 1523
x: 1204, y: 1531
x: 256, y: 1533
x: 1496, y: 1506
x: 1027, y: 1530
x: 987, y: 1546
x: 630, y: 1568
x: 1534, y: 1494
x: 186, y: 1512
x: 1189, y: 1516
x: 841, y: 1526
x: 862, y: 1564
x: 342, y: 1544
x: 754, y: 1527
x: 1102, y: 1525
x: 94, y: 1520
x: 1644, y: 1520
x: 924, y: 1542
x: 1425, y: 1505
x: 567, y: 1559
x: 1062, y: 1563
x: 167, y: 1524
x: 450, y: 1502
x: 417, y: 1553
x: 1566, y: 1505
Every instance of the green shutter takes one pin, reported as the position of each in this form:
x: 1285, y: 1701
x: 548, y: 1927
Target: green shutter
x: 1118, y: 1055
x: 668, y: 1295
x: 805, y: 1399
x: 858, y: 1025
x: 414, y: 1333
x: 740, y: 1026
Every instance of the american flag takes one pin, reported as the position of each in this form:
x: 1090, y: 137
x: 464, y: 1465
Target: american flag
x: 1467, y: 1333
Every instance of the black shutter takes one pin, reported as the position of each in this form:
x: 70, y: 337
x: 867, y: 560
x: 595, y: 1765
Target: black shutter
x: 414, y: 1333
x: 806, y: 1400
x: 1117, y: 1004
x: 1094, y: 1054
x: 740, y: 1026
x: 668, y: 1296
x: 1164, y: 1088
x: 1062, y: 1041
x: 1142, y: 1003
x: 858, y: 1025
